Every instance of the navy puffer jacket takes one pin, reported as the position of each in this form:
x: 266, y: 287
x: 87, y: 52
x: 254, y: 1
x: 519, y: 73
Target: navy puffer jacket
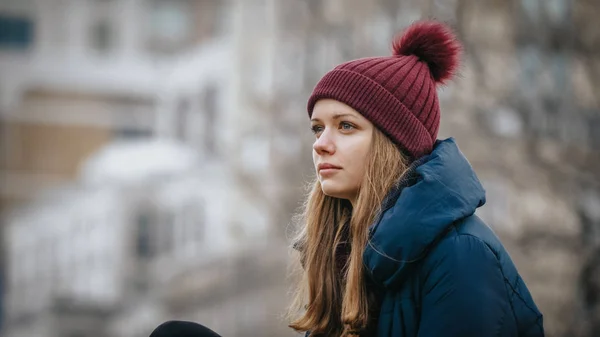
x: 440, y: 270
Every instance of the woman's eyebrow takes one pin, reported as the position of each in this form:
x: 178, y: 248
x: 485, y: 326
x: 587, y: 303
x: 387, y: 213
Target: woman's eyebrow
x: 340, y: 115
x: 336, y: 116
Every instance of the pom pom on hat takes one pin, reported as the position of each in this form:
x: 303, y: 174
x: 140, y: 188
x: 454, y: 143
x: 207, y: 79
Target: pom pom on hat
x: 434, y: 43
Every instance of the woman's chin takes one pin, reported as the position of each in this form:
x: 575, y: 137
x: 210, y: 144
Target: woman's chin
x: 332, y: 189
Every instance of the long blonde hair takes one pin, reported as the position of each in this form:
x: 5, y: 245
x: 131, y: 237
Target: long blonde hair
x: 325, y: 302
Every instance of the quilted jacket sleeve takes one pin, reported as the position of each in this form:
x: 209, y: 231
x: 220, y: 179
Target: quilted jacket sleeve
x: 463, y: 291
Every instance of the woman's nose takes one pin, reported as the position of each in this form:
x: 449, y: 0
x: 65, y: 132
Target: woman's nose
x: 324, y: 144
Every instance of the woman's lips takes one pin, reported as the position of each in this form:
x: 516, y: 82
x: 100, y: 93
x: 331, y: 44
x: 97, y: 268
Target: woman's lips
x: 326, y: 169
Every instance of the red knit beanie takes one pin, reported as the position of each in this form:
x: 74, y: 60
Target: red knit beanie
x: 398, y: 93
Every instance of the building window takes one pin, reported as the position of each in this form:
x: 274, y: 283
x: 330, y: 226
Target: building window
x: 209, y: 107
x: 16, y: 33
x: 169, y: 25
x: 102, y: 37
x: 165, y: 231
x: 144, y: 246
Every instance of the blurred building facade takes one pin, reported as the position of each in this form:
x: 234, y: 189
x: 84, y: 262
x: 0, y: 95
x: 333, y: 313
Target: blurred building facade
x: 68, y: 88
x: 228, y: 80
x: 123, y: 250
x: 102, y: 104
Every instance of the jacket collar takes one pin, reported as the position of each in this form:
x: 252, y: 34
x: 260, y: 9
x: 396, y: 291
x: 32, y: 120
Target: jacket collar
x: 434, y: 193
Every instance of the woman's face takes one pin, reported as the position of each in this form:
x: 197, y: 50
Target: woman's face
x: 343, y: 140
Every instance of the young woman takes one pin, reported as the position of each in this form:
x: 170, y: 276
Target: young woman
x: 389, y: 244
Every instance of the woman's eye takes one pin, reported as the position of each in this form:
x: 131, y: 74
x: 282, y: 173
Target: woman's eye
x: 316, y: 129
x: 346, y: 126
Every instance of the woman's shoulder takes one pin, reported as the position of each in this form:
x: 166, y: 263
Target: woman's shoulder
x: 470, y: 255
x: 463, y: 240
x: 465, y: 234
x: 474, y: 226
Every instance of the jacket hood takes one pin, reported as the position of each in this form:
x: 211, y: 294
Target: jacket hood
x: 436, y: 191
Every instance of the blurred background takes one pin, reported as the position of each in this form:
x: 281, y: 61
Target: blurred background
x: 153, y: 152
